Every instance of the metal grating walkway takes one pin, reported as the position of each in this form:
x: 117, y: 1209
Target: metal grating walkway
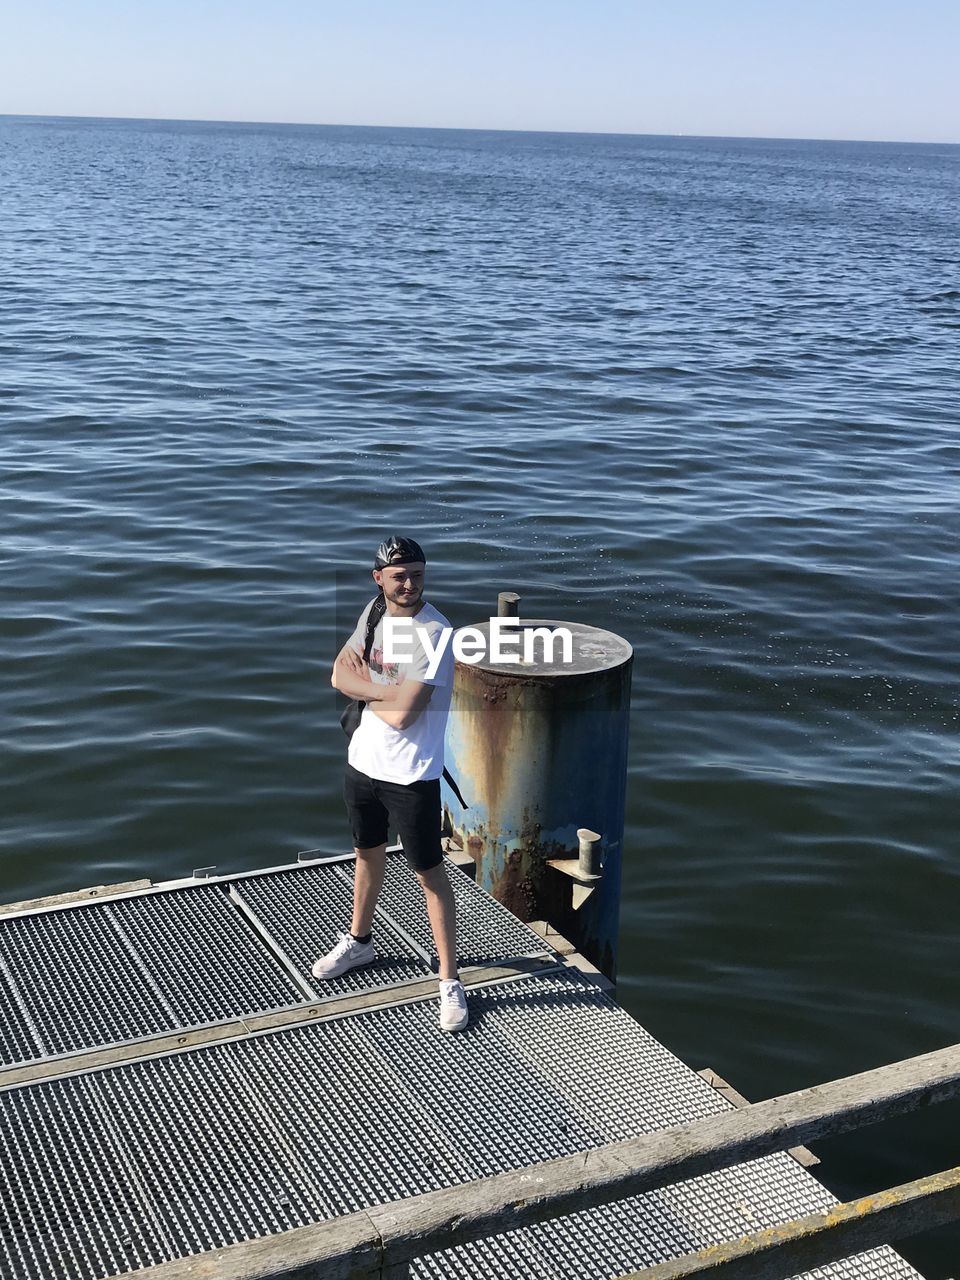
x: 97, y: 973
x: 103, y: 972
x: 486, y: 931
x: 116, y: 1168
x: 304, y: 909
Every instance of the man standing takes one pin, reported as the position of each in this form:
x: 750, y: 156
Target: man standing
x: 395, y: 762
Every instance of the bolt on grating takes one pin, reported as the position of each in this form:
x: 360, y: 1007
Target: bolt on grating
x: 204, y: 1147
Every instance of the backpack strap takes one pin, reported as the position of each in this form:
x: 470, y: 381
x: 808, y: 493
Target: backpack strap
x: 377, y: 609
x: 451, y: 783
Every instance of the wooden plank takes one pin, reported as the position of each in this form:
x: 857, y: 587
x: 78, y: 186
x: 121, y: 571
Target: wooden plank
x: 75, y: 896
x: 726, y: 1090
x: 557, y: 941
x: 577, y: 960
x: 780, y: 1253
x: 345, y: 1248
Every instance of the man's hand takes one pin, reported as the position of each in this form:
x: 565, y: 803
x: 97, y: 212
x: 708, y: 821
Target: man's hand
x: 351, y: 676
x: 351, y: 661
x: 348, y: 668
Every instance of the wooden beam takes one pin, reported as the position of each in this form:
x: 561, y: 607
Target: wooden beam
x: 726, y: 1090
x: 339, y: 1249
x: 780, y: 1253
x: 74, y: 896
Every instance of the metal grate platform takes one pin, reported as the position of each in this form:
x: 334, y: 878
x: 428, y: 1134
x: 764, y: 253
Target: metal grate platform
x: 486, y: 931
x: 117, y: 1168
x: 98, y: 973
x: 304, y: 909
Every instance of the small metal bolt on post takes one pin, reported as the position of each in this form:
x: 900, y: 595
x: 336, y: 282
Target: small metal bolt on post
x: 590, y: 848
x: 508, y: 605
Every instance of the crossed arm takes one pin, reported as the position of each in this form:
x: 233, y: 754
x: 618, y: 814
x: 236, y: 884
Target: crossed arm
x: 396, y: 704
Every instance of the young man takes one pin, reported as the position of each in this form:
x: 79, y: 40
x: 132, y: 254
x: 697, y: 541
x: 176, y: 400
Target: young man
x: 395, y: 762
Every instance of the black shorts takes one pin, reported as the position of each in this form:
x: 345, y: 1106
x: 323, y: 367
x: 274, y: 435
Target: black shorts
x: 412, y: 809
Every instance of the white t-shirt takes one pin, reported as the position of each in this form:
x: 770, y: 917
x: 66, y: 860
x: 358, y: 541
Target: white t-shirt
x: 414, y: 753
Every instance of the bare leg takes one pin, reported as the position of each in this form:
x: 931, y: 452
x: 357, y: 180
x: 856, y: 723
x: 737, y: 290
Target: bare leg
x: 441, y: 908
x: 368, y: 881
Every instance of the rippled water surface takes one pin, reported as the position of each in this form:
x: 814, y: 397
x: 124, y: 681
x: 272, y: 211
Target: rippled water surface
x: 701, y: 391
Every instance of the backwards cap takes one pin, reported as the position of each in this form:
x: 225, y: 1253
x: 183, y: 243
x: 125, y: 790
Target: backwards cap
x: 398, y: 550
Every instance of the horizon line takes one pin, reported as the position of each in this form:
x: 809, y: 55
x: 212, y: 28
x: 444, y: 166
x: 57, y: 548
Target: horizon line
x: 581, y: 133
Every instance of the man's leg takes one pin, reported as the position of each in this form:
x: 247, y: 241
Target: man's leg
x: 415, y: 810
x: 367, y: 883
x: 442, y: 910
x: 369, y: 823
x: 368, y: 818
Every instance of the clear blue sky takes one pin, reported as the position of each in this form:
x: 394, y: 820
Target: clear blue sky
x: 761, y: 68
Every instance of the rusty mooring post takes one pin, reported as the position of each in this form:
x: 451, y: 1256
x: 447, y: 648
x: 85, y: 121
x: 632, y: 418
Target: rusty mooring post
x: 588, y: 861
x: 539, y: 748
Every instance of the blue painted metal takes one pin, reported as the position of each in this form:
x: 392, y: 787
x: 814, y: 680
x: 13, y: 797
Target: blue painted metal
x: 539, y: 751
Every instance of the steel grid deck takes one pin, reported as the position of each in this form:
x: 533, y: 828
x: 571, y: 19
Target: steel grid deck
x: 486, y: 931
x: 116, y: 1168
x: 304, y: 909
x: 97, y: 973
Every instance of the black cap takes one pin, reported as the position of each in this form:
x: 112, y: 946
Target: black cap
x: 398, y: 550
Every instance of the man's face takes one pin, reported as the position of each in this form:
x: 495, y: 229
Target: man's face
x: 402, y: 584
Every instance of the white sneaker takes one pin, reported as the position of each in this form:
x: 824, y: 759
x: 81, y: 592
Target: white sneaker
x: 347, y: 954
x: 453, y: 1006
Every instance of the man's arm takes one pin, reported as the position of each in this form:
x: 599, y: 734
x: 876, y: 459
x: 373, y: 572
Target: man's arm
x: 405, y: 703
x: 412, y: 696
x: 351, y: 677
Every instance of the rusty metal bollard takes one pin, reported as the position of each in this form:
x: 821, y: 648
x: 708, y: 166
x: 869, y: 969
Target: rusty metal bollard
x: 540, y: 752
